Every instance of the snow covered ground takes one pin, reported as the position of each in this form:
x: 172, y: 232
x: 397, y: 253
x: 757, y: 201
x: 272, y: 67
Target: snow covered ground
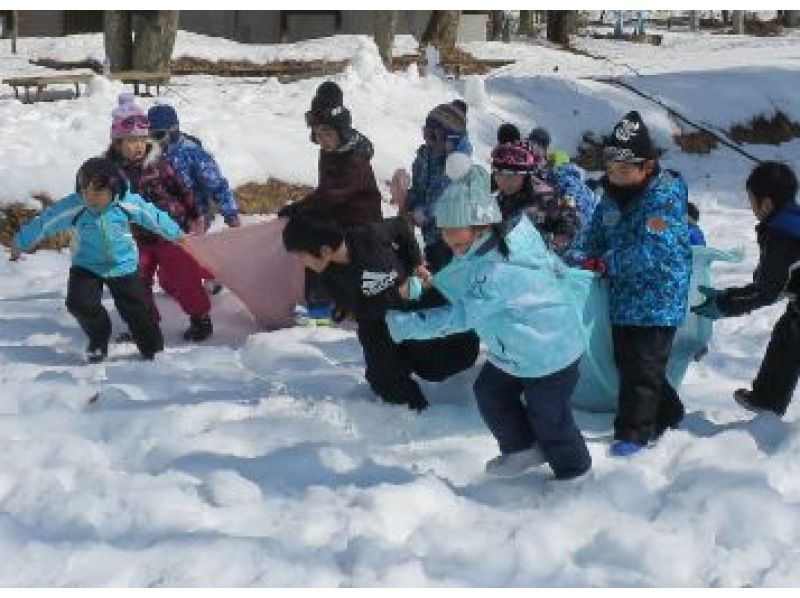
x: 263, y: 459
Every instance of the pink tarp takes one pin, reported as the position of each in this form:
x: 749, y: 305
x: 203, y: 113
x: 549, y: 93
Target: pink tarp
x: 252, y: 263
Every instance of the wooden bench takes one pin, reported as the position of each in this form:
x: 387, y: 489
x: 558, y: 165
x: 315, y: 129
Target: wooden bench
x: 41, y: 82
x: 142, y: 78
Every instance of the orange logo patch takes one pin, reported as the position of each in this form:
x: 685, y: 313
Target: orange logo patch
x: 657, y: 225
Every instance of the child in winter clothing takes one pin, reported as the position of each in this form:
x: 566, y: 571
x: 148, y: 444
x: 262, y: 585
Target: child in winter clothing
x: 347, y: 189
x: 639, y: 232
x: 510, y: 290
x: 154, y: 178
x: 445, y: 132
x: 194, y: 164
x: 101, y: 213
x: 513, y: 168
x: 772, y: 189
x: 368, y: 270
x: 696, y: 236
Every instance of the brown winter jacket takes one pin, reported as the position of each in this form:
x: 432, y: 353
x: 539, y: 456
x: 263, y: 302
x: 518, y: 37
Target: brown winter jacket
x: 347, y: 187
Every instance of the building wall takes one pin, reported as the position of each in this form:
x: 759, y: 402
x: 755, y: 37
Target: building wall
x: 41, y: 23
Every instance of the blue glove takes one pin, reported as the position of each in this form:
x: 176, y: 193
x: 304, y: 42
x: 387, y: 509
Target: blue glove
x: 708, y: 309
x: 414, y: 288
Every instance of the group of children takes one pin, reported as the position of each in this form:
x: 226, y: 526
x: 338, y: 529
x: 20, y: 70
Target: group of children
x: 130, y: 211
x: 498, y: 248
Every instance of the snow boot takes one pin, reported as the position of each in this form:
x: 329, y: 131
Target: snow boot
x: 514, y: 464
x: 96, y: 352
x: 625, y: 448
x: 200, y: 328
x: 124, y: 337
x: 745, y: 398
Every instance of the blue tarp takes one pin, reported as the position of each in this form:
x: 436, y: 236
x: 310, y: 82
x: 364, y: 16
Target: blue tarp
x: 598, y: 384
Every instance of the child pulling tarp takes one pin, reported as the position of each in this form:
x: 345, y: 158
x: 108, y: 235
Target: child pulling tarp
x: 252, y: 262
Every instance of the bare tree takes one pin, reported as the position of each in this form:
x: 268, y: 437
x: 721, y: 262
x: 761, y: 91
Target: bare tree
x: 442, y: 29
x: 560, y: 23
x: 526, y: 22
x: 738, y: 21
x: 790, y: 18
x: 140, y: 40
x: 496, y: 18
x: 385, y: 24
x: 117, y: 30
x: 694, y: 20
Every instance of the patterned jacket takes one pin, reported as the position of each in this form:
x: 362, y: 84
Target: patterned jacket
x: 202, y: 175
x: 156, y: 180
x: 555, y: 216
x: 645, y: 246
x: 428, y: 180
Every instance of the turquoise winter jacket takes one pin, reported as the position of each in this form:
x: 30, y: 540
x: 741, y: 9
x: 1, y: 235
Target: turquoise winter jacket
x: 103, y: 241
x: 523, y: 308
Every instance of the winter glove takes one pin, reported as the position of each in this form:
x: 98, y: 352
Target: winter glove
x: 595, y: 264
x: 708, y: 308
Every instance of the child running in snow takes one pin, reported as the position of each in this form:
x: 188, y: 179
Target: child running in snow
x: 101, y: 213
x: 640, y: 238
x: 509, y: 290
x: 772, y: 189
x: 154, y: 178
x: 445, y: 132
x: 346, y: 190
x: 368, y: 270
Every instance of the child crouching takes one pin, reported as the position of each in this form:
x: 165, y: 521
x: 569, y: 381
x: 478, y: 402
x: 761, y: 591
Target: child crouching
x: 511, y: 295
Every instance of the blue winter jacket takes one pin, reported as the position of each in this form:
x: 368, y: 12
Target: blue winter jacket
x: 201, y: 174
x: 520, y: 307
x: 103, y: 242
x: 428, y: 181
x: 645, y: 245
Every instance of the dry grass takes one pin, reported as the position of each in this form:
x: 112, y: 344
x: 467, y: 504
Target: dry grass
x: 292, y: 69
x: 696, y: 142
x: 766, y: 131
x: 453, y: 61
x: 269, y: 197
x: 13, y: 217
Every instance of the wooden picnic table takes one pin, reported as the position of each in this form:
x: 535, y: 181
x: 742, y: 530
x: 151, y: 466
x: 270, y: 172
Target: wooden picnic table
x: 142, y: 78
x: 40, y: 82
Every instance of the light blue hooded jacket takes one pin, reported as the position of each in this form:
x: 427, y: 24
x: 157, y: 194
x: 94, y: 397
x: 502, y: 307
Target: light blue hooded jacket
x: 523, y: 308
x: 103, y: 241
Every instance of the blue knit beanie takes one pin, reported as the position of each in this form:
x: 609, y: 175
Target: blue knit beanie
x: 162, y: 118
x: 468, y: 200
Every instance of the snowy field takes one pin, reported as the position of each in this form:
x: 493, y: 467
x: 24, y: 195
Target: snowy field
x: 264, y: 460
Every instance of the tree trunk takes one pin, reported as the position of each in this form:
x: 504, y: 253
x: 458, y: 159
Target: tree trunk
x: 694, y: 20
x: 526, y: 22
x: 791, y: 18
x: 118, y: 39
x: 496, y: 18
x: 442, y: 29
x: 155, y: 38
x: 385, y: 23
x: 738, y: 21
x: 559, y: 26
x: 14, y: 30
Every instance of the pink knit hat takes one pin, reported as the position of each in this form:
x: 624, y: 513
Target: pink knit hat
x: 128, y: 119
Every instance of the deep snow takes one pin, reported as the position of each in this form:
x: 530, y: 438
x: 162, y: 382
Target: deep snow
x: 263, y: 459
